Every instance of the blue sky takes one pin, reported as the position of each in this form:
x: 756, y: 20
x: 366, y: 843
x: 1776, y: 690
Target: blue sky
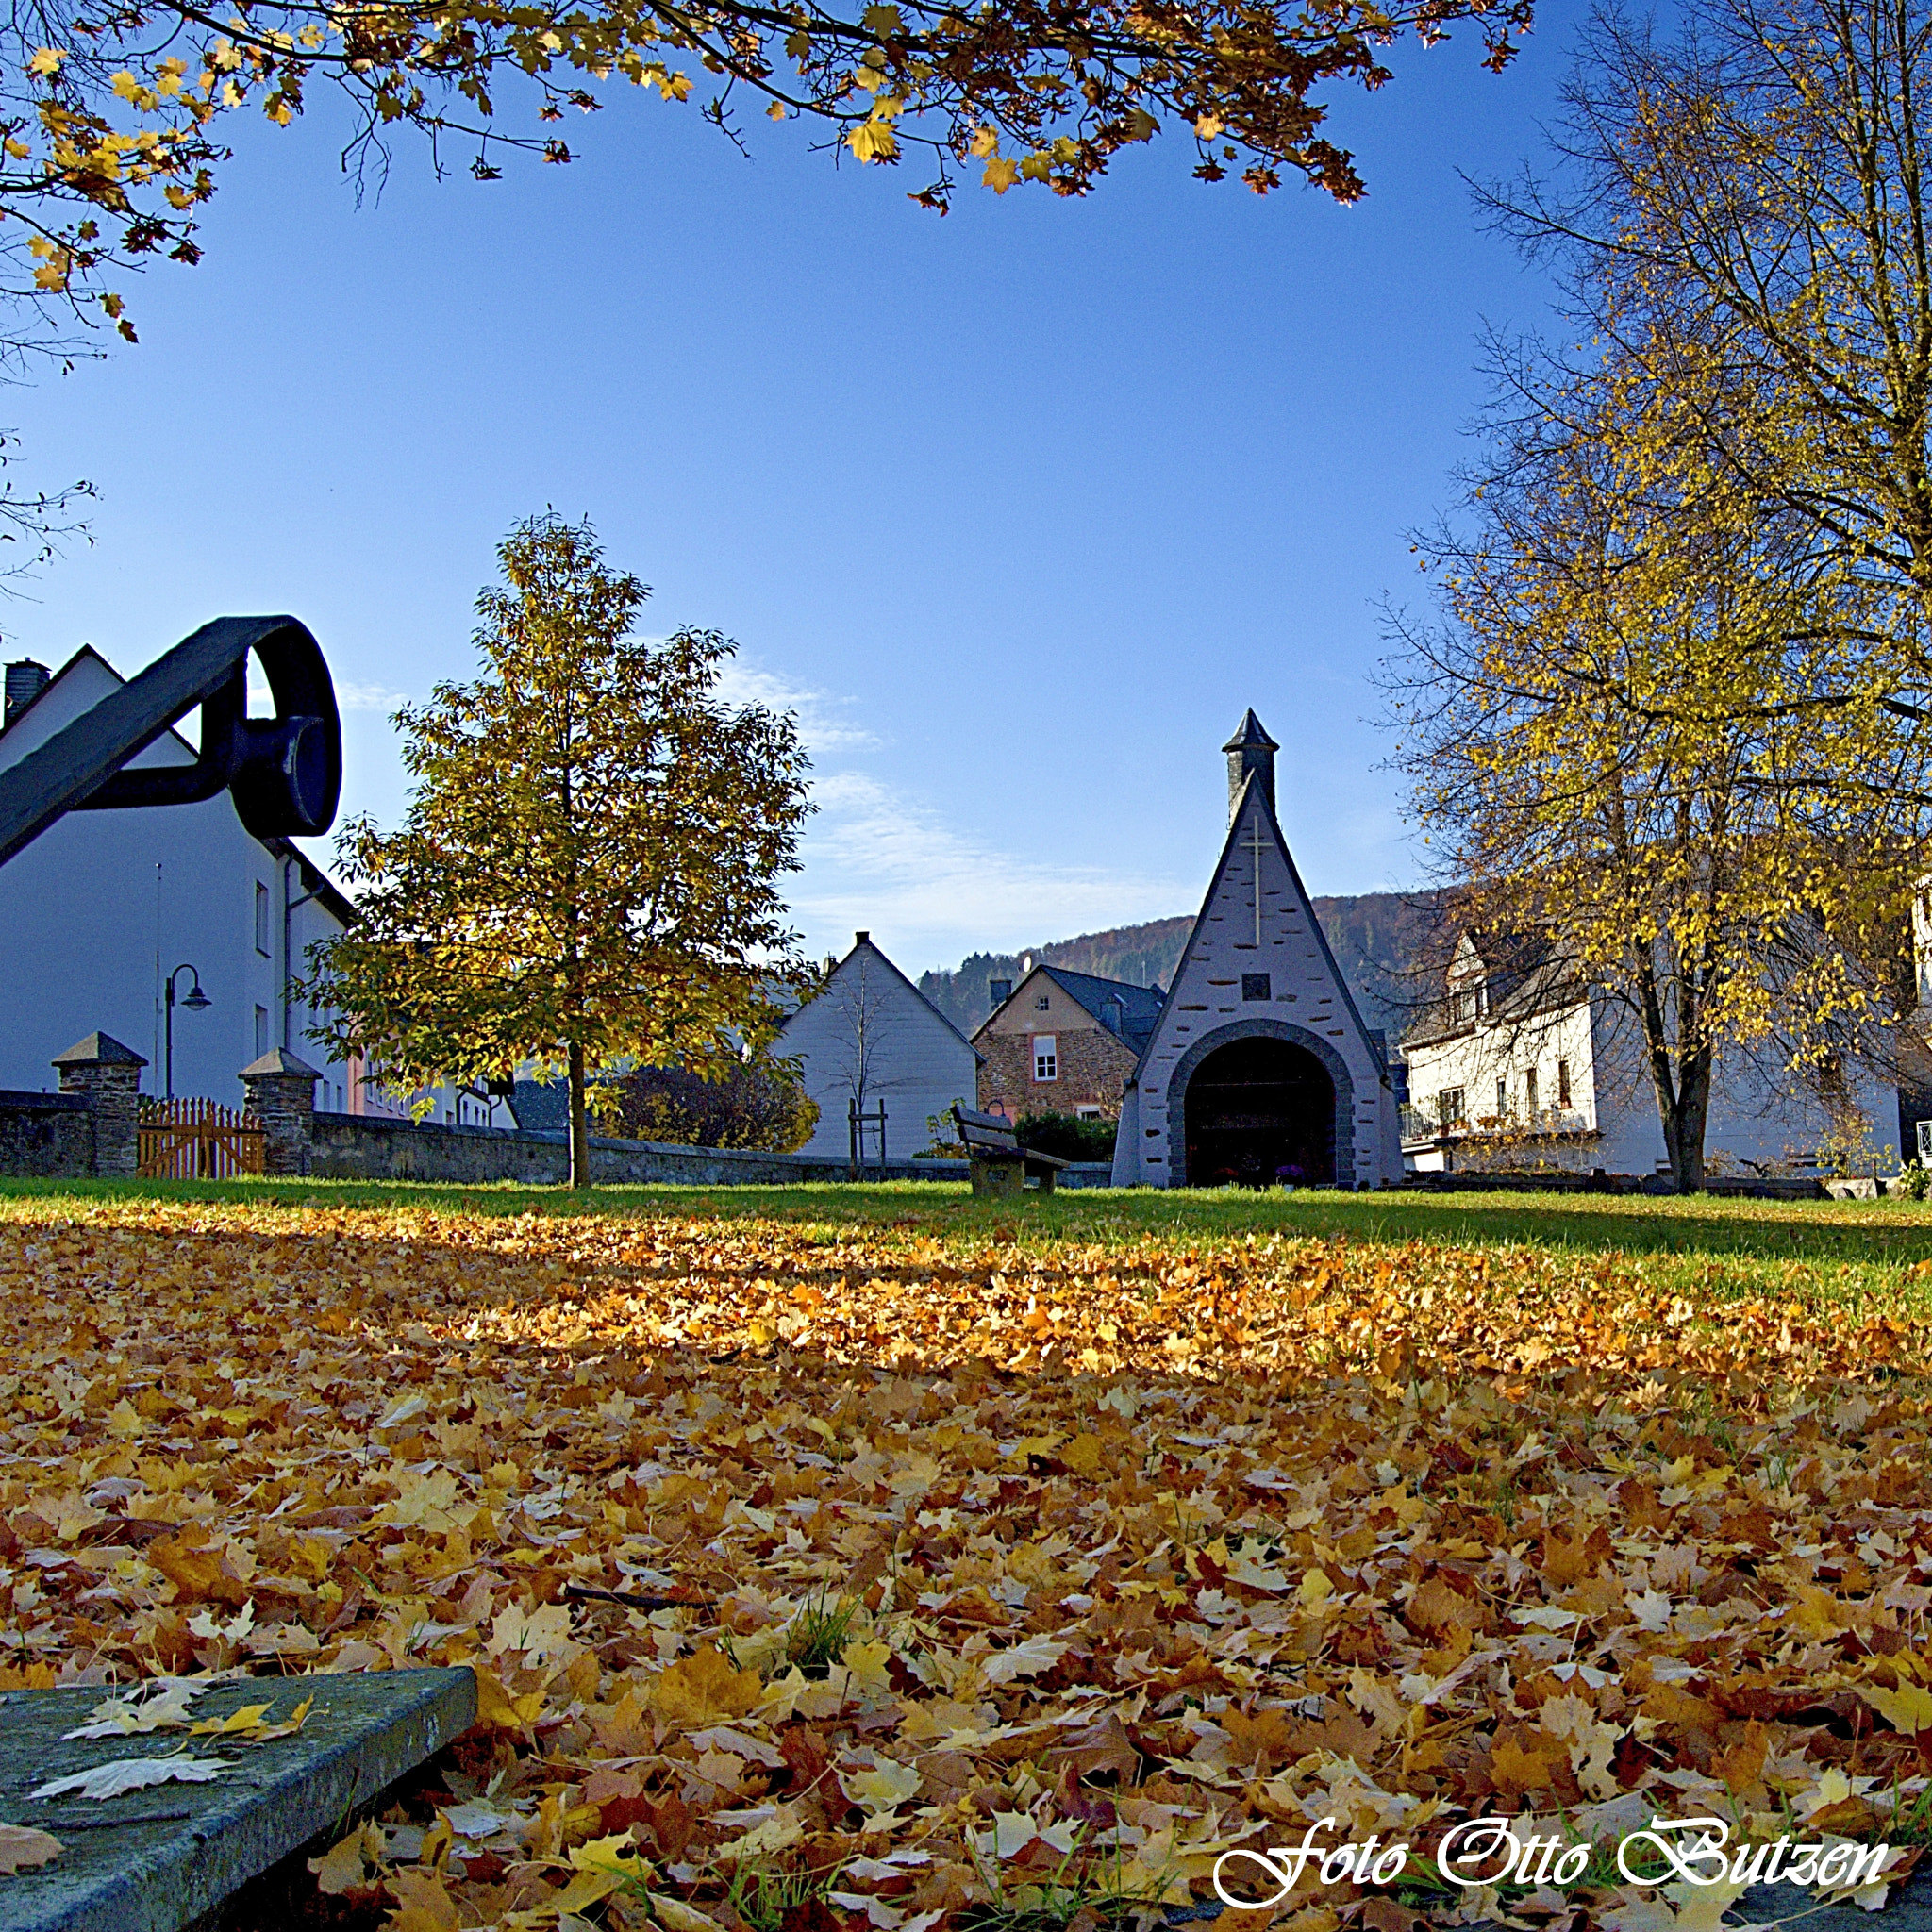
x: 1019, y: 508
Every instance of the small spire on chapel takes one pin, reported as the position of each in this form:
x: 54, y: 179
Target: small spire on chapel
x: 1249, y: 750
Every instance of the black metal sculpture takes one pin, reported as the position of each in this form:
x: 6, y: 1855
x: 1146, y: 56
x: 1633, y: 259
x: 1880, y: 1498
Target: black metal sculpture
x: 285, y: 773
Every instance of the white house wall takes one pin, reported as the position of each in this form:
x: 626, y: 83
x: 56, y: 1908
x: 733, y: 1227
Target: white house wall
x: 917, y: 1063
x: 82, y: 908
x: 1306, y: 992
x: 1755, y: 1121
x: 1474, y: 1060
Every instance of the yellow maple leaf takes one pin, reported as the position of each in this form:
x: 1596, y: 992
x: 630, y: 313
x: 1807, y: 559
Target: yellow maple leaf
x: 883, y: 1787
x: 585, y: 1889
x: 496, y: 1709
x: 245, y: 1717
x: 867, y: 1663
x: 1908, y: 1709
x: 617, y: 1855
x: 873, y: 141
x: 704, y: 1690
x: 422, y: 1902
x: 347, y: 1862
x: 1513, y: 1769
x: 540, y: 1635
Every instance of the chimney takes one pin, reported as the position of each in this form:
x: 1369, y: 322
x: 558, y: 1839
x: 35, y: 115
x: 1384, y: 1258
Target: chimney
x: 861, y: 939
x: 26, y: 682
x: 999, y: 990
x: 1250, y: 750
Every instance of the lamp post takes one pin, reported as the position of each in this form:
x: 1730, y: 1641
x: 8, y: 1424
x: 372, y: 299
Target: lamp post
x: 194, y: 1000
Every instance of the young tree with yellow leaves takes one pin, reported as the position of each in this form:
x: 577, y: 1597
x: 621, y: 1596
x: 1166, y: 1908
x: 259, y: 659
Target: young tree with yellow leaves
x: 1648, y: 730
x: 587, y: 874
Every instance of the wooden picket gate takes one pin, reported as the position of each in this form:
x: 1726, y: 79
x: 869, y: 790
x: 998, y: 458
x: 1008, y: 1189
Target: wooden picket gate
x: 191, y: 1138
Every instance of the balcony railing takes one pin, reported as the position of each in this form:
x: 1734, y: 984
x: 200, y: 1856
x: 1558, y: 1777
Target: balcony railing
x: 1417, y: 1124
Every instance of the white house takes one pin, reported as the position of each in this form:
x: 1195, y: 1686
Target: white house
x: 1259, y: 1069
x: 104, y: 907
x: 1520, y: 1064
x: 870, y: 1038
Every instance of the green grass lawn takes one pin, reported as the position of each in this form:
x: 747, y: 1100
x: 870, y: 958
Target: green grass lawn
x: 1863, y: 1246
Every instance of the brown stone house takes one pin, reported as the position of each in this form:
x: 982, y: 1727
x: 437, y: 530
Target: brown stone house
x: 1062, y: 1043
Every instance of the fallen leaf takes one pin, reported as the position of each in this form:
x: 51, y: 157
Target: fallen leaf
x: 132, y: 1774
x: 24, y: 1849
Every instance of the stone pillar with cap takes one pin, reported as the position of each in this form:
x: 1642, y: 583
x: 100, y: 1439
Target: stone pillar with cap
x: 109, y: 1076
x: 281, y: 1094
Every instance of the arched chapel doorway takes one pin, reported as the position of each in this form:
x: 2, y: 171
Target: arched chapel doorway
x: 1259, y: 1111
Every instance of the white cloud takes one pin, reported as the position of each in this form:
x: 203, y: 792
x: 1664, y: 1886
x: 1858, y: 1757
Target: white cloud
x: 349, y: 697
x: 369, y: 697
x: 930, y: 893
x: 819, y: 721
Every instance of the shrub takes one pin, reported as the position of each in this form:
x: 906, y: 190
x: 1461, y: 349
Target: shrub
x: 1913, y: 1181
x: 757, y: 1105
x: 1066, y: 1135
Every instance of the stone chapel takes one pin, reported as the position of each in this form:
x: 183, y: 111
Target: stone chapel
x: 1259, y: 1071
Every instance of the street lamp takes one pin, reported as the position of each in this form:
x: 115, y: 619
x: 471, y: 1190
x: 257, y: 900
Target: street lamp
x: 194, y: 1000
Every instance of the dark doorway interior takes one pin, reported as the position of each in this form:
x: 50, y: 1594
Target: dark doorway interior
x: 1261, y: 1112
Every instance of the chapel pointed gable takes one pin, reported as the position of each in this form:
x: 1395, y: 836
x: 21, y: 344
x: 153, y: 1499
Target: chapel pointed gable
x: 1217, y: 951
x: 1257, y: 966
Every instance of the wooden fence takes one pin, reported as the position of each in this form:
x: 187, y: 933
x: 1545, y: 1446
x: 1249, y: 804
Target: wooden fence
x: 198, y: 1139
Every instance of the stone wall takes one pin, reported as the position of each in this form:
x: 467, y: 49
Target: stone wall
x: 347, y: 1146
x: 45, y: 1134
x: 1094, y: 1068
x: 1085, y: 1173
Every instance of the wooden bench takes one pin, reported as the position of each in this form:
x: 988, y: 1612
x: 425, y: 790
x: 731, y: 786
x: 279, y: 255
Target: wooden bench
x: 1000, y: 1165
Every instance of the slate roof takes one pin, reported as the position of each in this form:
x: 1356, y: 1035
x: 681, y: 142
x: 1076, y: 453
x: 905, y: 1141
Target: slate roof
x: 541, y: 1107
x: 1139, y: 1005
x: 1250, y: 732
x: 1524, y: 976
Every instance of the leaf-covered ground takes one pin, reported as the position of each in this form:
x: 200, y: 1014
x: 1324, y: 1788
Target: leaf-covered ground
x: 825, y: 1575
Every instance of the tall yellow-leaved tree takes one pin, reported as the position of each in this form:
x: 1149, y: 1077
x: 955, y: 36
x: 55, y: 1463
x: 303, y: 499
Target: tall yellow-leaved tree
x: 589, y: 873
x: 1648, y: 736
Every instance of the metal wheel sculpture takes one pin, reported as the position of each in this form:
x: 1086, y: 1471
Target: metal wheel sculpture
x: 285, y: 773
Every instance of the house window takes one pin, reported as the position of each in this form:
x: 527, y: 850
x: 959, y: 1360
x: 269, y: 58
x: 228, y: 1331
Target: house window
x: 1087, y: 1114
x: 1039, y: 1003
x: 1562, y: 1083
x: 1449, y: 1107
x: 1530, y: 1092
x: 1255, y: 987
x: 260, y: 1031
x: 1502, y: 1099
x: 1046, y: 1057
x: 261, y: 923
